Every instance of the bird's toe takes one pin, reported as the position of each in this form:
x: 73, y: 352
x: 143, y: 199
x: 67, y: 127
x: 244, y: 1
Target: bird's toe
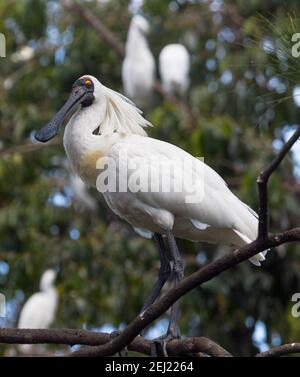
x: 159, y: 345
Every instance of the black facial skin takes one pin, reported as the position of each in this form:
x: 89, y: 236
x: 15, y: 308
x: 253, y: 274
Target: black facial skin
x: 82, y: 93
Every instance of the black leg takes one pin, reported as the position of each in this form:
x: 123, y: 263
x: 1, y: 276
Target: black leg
x: 178, y: 272
x: 164, y: 272
x: 177, y: 275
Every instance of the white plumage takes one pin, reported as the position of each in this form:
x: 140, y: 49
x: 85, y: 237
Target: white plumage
x: 174, y: 69
x: 138, y: 69
x: 39, y: 310
x: 112, y: 127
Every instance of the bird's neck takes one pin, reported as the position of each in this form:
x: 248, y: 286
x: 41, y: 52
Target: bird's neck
x: 48, y: 289
x: 136, y: 42
x: 83, y: 148
x: 93, y: 130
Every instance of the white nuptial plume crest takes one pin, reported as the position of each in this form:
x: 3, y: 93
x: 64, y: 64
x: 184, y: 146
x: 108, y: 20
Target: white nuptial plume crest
x: 138, y: 69
x: 122, y: 115
x: 174, y: 69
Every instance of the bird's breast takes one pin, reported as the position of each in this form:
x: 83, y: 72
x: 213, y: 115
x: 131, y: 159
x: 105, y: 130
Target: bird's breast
x: 86, y: 166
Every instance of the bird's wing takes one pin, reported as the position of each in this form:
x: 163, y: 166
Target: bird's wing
x: 218, y: 207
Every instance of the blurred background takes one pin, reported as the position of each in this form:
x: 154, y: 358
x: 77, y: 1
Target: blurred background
x: 240, y: 107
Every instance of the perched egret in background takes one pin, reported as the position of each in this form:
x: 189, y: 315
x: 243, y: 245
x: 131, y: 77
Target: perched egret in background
x: 39, y: 310
x: 174, y: 69
x: 138, y: 69
x: 107, y: 126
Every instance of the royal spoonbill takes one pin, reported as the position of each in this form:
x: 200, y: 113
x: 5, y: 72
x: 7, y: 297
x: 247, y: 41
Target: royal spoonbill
x: 138, y: 68
x: 39, y: 310
x: 174, y: 69
x: 108, y: 127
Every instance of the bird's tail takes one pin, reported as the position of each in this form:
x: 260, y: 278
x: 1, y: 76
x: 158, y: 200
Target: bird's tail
x: 256, y: 259
x: 260, y: 257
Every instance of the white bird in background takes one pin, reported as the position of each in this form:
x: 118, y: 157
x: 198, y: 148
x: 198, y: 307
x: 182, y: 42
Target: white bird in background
x: 39, y: 310
x: 109, y: 125
x: 138, y: 68
x: 174, y: 69
x: 23, y: 54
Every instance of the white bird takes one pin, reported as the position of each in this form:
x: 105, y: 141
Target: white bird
x: 39, y: 310
x: 24, y: 54
x: 138, y: 68
x: 109, y: 127
x: 174, y: 69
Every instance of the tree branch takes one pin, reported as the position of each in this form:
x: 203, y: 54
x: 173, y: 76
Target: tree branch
x: 106, y: 35
x: 175, y: 347
x: 89, y: 338
x: 285, y: 349
x: 262, y: 182
x: 26, y: 147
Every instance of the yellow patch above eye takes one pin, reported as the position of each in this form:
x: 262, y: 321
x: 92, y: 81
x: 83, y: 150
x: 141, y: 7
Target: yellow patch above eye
x: 88, y: 82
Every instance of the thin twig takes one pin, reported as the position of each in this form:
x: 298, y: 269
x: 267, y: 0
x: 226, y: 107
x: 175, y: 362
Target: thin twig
x: 262, y: 182
x: 26, y: 147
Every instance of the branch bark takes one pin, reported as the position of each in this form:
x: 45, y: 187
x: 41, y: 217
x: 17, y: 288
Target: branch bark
x: 285, y: 349
x: 175, y: 347
x: 89, y: 338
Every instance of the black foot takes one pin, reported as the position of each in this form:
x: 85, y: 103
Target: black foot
x: 115, y: 334
x: 159, y: 345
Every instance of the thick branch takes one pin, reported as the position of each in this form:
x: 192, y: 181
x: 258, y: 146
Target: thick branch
x: 139, y: 344
x: 199, y: 277
x: 262, y: 182
x: 285, y: 349
x: 89, y: 338
x: 52, y: 336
